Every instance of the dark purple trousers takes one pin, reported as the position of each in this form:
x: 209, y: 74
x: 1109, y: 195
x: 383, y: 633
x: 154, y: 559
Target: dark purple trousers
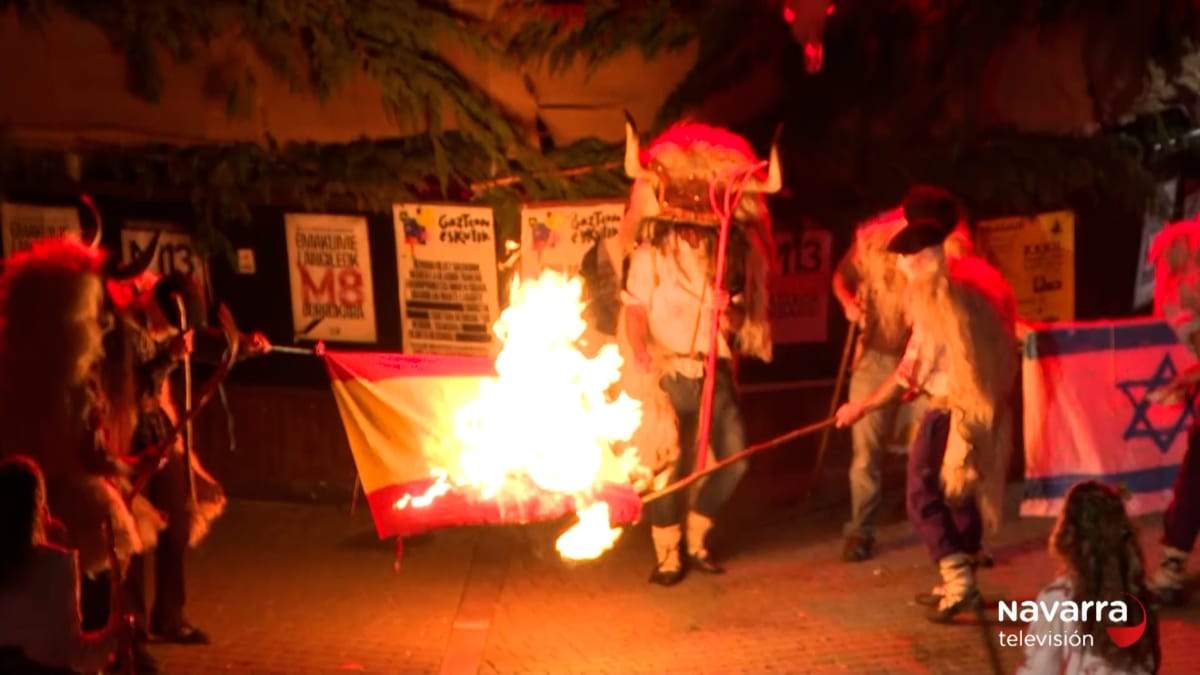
x: 1181, y: 522
x: 946, y: 528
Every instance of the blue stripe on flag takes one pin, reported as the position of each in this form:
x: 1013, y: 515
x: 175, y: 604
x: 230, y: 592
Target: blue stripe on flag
x: 1142, y: 480
x: 1065, y: 341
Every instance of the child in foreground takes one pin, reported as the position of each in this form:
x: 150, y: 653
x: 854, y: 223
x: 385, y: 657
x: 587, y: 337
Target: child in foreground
x: 1097, y: 545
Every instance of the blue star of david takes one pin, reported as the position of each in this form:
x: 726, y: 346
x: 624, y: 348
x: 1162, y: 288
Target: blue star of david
x: 1140, y: 425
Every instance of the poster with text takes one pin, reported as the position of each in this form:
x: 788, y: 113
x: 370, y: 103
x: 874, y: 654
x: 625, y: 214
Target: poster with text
x: 1158, y: 213
x: 176, y: 250
x: 1036, y: 254
x: 557, y: 235
x: 800, y: 287
x: 329, y: 260
x: 449, y: 286
x: 23, y: 224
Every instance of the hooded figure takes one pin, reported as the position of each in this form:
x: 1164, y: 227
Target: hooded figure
x: 962, y: 355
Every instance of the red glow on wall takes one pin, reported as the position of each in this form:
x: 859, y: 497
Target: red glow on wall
x: 829, y: 9
x: 789, y: 14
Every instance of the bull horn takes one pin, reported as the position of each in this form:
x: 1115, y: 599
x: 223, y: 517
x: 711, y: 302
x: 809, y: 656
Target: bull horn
x: 633, y: 149
x: 119, y: 271
x: 774, y: 180
x: 91, y: 206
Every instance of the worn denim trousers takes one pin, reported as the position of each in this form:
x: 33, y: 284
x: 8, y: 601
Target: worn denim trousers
x: 728, y: 438
x: 871, y: 435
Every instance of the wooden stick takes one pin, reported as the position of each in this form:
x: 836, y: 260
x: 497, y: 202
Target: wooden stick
x: 512, y: 180
x: 843, y: 370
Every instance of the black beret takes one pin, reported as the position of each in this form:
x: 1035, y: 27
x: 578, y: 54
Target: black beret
x: 917, y: 236
x: 927, y: 203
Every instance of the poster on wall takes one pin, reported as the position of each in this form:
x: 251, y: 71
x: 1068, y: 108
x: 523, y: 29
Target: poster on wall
x: 22, y: 224
x: 329, y: 262
x: 556, y: 235
x: 800, y: 287
x: 1036, y: 254
x: 176, y: 250
x: 1159, y: 212
x: 449, y: 286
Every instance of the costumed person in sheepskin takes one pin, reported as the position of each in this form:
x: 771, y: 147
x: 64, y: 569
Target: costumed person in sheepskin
x: 962, y: 355
x: 669, y: 300
x: 146, y: 346
x: 53, y: 407
x: 1176, y: 255
x: 656, y: 440
x: 871, y: 291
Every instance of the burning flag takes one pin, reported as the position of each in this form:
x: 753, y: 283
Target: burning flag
x: 451, y: 440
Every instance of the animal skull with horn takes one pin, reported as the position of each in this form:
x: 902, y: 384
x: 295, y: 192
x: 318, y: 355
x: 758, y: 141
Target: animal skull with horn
x: 671, y: 187
x: 674, y: 183
x: 807, y: 21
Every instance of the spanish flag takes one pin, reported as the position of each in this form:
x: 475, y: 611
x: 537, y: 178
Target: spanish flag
x: 399, y: 412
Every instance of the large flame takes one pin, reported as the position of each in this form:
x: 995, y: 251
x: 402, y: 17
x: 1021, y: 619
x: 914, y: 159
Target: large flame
x: 547, y: 416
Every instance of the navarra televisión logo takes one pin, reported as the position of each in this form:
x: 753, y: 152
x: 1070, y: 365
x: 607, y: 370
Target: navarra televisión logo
x: 1114, y: 614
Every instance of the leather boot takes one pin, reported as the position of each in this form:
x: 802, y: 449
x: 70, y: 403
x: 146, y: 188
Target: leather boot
x: 668, y: 570
x: 958, y: 589
x: 698, y: 526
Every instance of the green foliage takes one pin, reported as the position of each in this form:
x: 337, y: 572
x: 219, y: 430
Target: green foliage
x: 223, y: 182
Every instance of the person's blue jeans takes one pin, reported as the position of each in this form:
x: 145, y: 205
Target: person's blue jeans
x: 946, y: 528
x: 728, y: 438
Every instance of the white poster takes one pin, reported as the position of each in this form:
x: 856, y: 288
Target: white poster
x: 1158, y: 214
x: 449, y: 286
x: 22, y: 224
x: 176, y: 250
x: 800, y: 287
x: 329, y: 259
x: 556, y: 235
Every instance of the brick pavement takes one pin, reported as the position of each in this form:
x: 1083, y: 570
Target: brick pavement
x: 289, y: 588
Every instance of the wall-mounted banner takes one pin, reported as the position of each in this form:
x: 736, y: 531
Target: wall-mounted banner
x: 22, y: 224
x: 1036, y: 254
x: 800, y: 287
x: 449, y: 285
x: 1159, y: 212
x: 329, y: 259
x: 556, y: 235
x: 176, y: 250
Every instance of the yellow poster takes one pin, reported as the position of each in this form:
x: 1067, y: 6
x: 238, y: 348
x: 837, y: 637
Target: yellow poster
x: 1037, y: 256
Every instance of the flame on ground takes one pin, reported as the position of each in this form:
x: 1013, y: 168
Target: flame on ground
x: 547, y: 415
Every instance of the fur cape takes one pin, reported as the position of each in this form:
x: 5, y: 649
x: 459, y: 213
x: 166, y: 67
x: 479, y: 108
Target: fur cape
x: 972, y: 311
x: 52, y: 406
x: 120, y: 362
x: 1175, y: 254
x: 881, y: 285
x: 656, y: 440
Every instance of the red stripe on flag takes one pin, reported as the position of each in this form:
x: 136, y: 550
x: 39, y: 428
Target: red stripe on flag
x: 459, y: 508
x: 376, y: 366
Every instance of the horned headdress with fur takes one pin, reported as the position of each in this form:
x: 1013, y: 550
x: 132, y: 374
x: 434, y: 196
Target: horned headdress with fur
x: 672, y: 181
x: 52, y: 404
